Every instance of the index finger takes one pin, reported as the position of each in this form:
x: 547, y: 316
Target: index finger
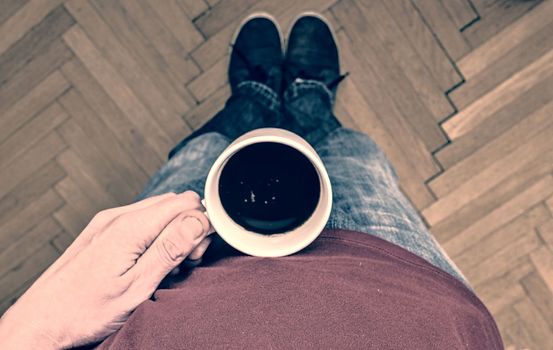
x: 147, y: 223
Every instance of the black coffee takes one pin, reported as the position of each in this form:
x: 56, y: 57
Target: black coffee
x: 269, y: 188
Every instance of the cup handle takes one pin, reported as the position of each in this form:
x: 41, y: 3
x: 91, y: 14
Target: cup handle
x: 203, y: 203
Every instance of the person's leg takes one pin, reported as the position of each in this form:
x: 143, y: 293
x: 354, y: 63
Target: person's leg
x: 253, y: 105
x: 366, y: 196
x: 187, y: 169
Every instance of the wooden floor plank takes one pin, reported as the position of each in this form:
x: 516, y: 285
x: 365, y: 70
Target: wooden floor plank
x: 9, y: 8
x: 106, y: 142
x: 504, y: 67
x: 498, y: 217
x: 494, y: 300
x: 10, y: 299
x: 504, y: 290
x: 495, y: 15
x: 33, y: 42
x: 162, y: 39
x: 29, y: 189
x: 486, y: 203
x: 142, y: 50
x: 62, y: 241
x: 27, y: 271
x: 178, y: 24
x: 546, y: 233
x: 502, y: 236
x: 212, y: 3
x: 25, y: 137
x: 467, y: 119
x: 490, y: 176
x: 549, y: 203
x: 540, y: 295
x: 500, y: 147
x: 209, y: 81
x: 506, y: 318
x: 536, y: 325
x: 398, y: 48
x: 221, y: 15
x: 424, y: 41
x: 520, y: 336
x: 445, y: 29
x: 499, y: 122
x: 29, y: 217
x: 343, y: 101
x: 504, y: 260
x: 70, y: 220
x: 343, y: 115
x: 103, y: 169
x: 216, y: 47
x: 36, y: 71
x: 500, y: 44
x: 356, y: 19
x: 24, y: 19
x: 208, y: 108
x: 332, y: 21
x: 461, y: 12
x: 106, y: 109
x: 84, y: 207
x: 116, y: 87
x: 28, y: 243
x: 167, y: 110
x: 193, y: 8
x: 77, y: 170
x: 32, y: 103
x: 543, y: 262
x: 39, y: 154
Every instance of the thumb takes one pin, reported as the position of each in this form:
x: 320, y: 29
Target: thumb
x: 177, y: 240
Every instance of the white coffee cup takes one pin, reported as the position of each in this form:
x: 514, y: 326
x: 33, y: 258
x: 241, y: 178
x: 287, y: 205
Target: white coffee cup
x: 256, y: 244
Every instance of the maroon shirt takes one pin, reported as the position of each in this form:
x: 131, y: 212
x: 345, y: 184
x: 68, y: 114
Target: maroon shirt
x: 347, y: 290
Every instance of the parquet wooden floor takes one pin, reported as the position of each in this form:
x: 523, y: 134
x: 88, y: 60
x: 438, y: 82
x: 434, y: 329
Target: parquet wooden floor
x: 458, y: 93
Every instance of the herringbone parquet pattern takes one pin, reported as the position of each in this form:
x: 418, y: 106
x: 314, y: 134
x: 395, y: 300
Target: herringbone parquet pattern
x: 458, y: 93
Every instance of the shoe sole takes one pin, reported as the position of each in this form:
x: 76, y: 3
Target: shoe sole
x: 319, y: 16
x: 258, y: 14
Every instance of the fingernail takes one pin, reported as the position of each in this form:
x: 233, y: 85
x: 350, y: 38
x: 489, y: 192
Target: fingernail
x: 194, y: 225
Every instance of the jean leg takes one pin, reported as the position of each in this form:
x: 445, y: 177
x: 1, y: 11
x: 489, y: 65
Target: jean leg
x: 367, y: 197
x: 252, y: 106
x: 307, y: 110
x: 187, y: 169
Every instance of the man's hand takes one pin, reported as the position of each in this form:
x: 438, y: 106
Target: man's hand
x: 115, y: 264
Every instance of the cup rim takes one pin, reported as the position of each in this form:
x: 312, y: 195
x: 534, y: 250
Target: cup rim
x: 266, y: 245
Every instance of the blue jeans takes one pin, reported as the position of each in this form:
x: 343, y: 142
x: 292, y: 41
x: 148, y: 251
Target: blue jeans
x: 364, y: 183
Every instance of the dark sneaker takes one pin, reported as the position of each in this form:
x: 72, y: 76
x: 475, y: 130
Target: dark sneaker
x: 312, y: 52
x: 257, y: 53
